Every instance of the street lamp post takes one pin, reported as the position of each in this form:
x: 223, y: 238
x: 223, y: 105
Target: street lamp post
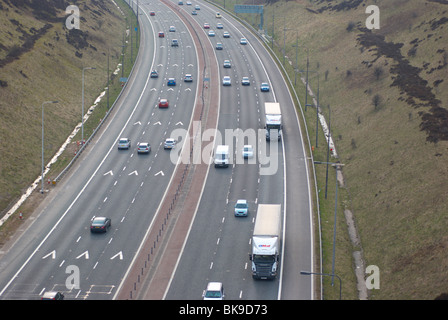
x: 335, y: 212
x: 296, y: 69
x: 308, y: 273
x: 82, y: 112
x: 307, y: 66
x: 42, y: 171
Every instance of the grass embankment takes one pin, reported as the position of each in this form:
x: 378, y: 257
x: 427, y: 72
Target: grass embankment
x: 383, y: 88
x: 51, y: 69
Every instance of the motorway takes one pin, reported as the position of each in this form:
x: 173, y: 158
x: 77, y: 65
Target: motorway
x: 129, y: 187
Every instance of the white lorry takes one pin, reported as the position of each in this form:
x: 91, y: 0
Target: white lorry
x: 222, y: 156
x: 273, y: 124
x: 265, y: 254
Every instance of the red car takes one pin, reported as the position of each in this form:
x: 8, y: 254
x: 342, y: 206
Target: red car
x: 152, y: 13
x: 206, y: 26
x: 161, y: 34
x: 163, y: 103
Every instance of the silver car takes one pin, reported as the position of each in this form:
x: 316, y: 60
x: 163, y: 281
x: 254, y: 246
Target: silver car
x: 169, y: 143
x: 143, y: 147
x: 124, y: 143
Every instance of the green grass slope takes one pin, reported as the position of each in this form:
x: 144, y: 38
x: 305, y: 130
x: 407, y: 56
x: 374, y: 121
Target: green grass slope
x: 388, y: 95
x: 41, y: 60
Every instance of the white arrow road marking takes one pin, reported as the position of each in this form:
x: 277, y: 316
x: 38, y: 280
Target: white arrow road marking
x: 180, y: 122
x: 86, y: 254
x: 108, y: 172
x: 158, y: 122
x: 119, y: 254
x: 138, y: 122
x: 134, y: 172
x: 188, y: 89
x: 52, y: 254
x: 160, y: 172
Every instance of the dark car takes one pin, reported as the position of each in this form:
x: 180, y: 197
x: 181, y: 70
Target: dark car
x: 100, y: 224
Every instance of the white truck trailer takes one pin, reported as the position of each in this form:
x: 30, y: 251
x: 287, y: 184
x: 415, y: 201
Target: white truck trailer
x: 265, y: 254
x: 273, y: 123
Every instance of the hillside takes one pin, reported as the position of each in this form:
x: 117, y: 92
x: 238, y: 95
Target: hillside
x: 41, y: 60
x: 387, y: 90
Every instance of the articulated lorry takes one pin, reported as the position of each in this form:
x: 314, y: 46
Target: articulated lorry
x: 273, y: 124
x: 265, y: 254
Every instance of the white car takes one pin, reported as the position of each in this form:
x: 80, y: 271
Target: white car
x: 172, y: 29
x: 214, y: 291
x: 226, y: 81
x: 124, y: 143
x: 241, y: 208
x: 264, y: 87
x: 211, y: 33
x: 245, y: 81
x: 169, y: 143
x: 243, y: 41
x: 226, y: 34
x: 248, y: 151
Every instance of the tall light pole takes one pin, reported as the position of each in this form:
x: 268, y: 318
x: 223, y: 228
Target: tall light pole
x: 307, y: 66
x: 42, y: 172
x: 82, y: 112
x: 308, y: 273
x: 337, y: 167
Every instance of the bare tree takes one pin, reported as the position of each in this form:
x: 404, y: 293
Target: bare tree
x: 378, y: 72
x: 376, y: 101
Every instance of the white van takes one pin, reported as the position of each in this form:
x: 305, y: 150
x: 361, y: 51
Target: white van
x: 214, y: 291
x: 222, y: 156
